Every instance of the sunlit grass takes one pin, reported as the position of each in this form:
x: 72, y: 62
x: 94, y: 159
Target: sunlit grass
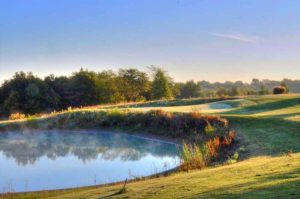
x: 260, y: 177
x: 272, y: 126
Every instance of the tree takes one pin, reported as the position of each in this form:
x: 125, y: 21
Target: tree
x: 176, y: 89
x: 27, y: 94
x: 134, y: 84
x: 255, y: 83
x: 61, y: 86
x: 161, y: 85
x: 190, y: 89
x: 11, y: 103
x: 222, y: 92
x: 83, y: 89
x: 283, y: 84
x: 235, y: 91
x: 263, y: 90
x: 108, y: 87
x: 279, y: 90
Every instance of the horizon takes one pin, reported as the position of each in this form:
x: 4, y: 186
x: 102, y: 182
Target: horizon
x: 192, y: 40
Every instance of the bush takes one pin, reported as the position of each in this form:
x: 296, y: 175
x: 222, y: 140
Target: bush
x: 191, y: 157
x: 279, y: 90
x: 209, y: 129
x: 17, y: 116
x: 216, y: 148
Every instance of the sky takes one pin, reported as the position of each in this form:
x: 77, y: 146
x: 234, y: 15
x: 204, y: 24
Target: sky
x: 214, y: 40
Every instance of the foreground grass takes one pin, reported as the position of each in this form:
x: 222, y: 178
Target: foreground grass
x: 260, y: 177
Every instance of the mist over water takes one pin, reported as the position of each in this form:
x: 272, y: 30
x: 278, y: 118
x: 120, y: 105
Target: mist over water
x: 62, y: 159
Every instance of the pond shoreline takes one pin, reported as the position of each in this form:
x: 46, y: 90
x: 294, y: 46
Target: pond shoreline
x: 157, y: 125
x: 137, y: 179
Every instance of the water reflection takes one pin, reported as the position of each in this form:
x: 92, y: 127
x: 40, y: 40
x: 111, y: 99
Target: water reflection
x: 28, y: 147
x: 31, y: 161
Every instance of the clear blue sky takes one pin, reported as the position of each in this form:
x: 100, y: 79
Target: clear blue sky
x: 215, y: 40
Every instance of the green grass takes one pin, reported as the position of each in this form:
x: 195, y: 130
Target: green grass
x: 175, y: 102
x: 260, y: 177
x: 268, y: 126
x: 267, y: 136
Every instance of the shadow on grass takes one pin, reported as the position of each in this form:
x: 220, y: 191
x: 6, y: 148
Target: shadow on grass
x: 259, y: 108
x: 285, y: 185
x: 272, y: 135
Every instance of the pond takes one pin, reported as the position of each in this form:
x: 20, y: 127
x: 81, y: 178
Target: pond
x: 31, y: 161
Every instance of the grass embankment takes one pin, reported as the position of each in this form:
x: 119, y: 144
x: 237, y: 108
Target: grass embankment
x: 268, y: 125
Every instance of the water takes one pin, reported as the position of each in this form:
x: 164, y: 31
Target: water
x: 31, y: 161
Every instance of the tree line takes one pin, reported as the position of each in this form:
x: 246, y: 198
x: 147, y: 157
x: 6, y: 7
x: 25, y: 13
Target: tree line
x: 29, y: 94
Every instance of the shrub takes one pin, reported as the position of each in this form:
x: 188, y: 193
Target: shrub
x: 231, y: 136
x: 212, y: 149
x: 17, y: 116
x: 198, y: 161
x: 218, y: 147
x: 186, y: 156
x: 233, y: 159
x: 279, y: 90
x: 209, y: 129
x: 191, y: 157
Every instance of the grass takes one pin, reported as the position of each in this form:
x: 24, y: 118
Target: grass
x: 267, y: 136
x: 268, y: 126
x: 259, y: 177
x: 175, y: 102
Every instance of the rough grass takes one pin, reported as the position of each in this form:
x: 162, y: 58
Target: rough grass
x: 157, y: 122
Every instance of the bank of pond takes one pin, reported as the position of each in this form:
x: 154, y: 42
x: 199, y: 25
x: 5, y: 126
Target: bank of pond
x: 84, y: 148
